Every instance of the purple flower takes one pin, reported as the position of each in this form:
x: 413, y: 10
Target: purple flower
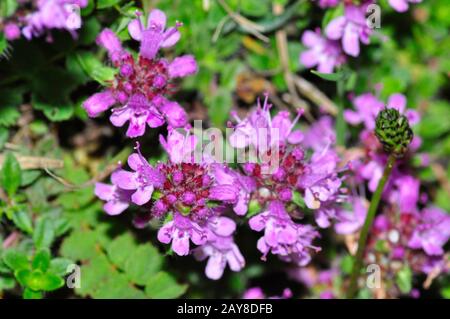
x: 351, y: 28
x: 348, y: 222
x: 179, y: 145
x: 141, y: 84
x: 220, y: 249
x: 292, y: 242
x: 320, y: 134
x: 154, y: 36
x: 407, y: 194
x: 143, y: 180
x: 324, y: 53
x: 11, y: 31
x: 432, y: 232
x: 117, y: 199
x: 180, y: 231
x: 328, y: 3
x: 263, y: 132
x: 402, y: 5
x: 368, y: 106
x: 53, y: 14
x: 242, y: 185
x: 257, y: 293
x: 320, y: 182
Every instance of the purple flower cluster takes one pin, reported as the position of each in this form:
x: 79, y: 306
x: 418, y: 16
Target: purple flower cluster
x: 35, y: 18
x: 190, y: 196
x: 313, y: 178
x: 413, y: 238
x: 342, y: 35
x: 199, y: 198
x: 141, y: 84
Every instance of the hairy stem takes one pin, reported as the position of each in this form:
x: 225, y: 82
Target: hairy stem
x: 357, y: 264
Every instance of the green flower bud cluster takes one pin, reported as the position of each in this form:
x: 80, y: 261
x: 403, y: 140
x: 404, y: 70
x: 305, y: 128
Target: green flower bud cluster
x: 393, y: 131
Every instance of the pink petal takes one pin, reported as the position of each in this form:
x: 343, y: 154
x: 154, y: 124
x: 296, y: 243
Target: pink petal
x: 335, y: 29
x: 115, y: 208
x: 180, y: 244
x: 124, y: 179
x: 215, y: 267
x: 98, y: 103
x: 350, y: 41
x: 157, y: 18
x: 171, y: 37
x: 142, y: 195
x: 183, y: 66
x: 135, y: 29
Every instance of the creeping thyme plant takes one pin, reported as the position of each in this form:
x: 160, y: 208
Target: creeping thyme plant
x: 229, y: 149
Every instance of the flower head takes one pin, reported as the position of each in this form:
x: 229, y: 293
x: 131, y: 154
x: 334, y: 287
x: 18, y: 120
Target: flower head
x: 351, y: 28
x: 141, y: 84
x: 324, y: 53
x: 393, y: 131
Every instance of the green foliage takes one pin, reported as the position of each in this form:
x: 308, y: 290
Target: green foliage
x: 119, y: 268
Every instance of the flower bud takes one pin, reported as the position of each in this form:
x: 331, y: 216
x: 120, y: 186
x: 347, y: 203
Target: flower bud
x: 393, y: 131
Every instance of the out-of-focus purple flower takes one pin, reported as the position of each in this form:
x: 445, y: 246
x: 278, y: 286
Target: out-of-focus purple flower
x: 117, y: 200
x: 320, y: 134
x: 407, y: 193
x: 180, y: 231
x: 53, y: 14
x: 432, y: 232
x: 367, y: 106
x: 220, y: 249
x: 351, y: 28
x: 257, y: 293
x: 141, y: 85
x: 402, y: 5
x: 349, y: 221
x: 324, y: 53
x: 254, y: 293
x: 328, y: 3
x: 11, y: 31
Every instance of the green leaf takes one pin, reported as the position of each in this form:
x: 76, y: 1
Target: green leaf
x: 143, y: 264
x: 7, y: 282
x: 36, y: 280
x: 30, y: 294
x: 164, y: 286
x: 8, y: 7
x: 11, y: 174
x: 220, y: 107
x: 59, y: 266
x: 94, y: 67
x: 120, y: 249
x: 298, y: 199
x: 334, y: 77
x: 4, y: 136
x: 23, y: 221
x: 44, y: 233
x: 41, y: 260
x: 55, y: 111
x: 79, y: 245
x: 15, y: 259
x: 51, y: 282
x: 404, y: 279
x: 102, y: 4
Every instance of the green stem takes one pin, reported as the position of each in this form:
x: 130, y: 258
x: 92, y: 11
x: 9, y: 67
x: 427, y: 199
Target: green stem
x: 341, y: 125
x: 358, y: 260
